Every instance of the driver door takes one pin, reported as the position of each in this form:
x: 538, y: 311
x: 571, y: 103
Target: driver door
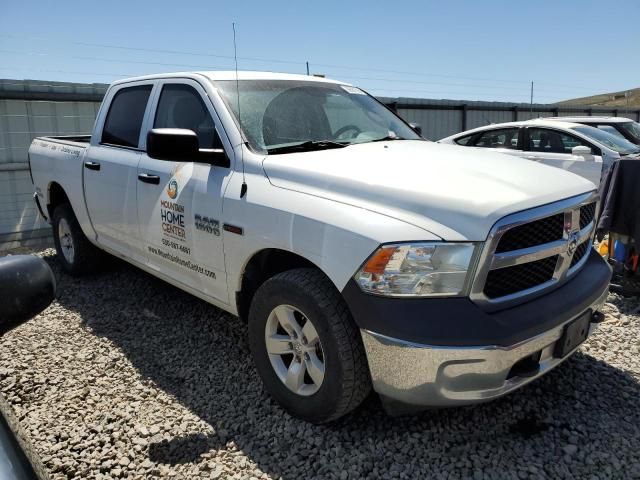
x: 180, y: 203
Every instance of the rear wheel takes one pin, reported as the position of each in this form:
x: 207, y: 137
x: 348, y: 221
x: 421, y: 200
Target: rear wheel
x: 76, y: 254
x: 306, y: 346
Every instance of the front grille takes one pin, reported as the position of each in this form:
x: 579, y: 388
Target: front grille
x: 508, y: 280
x: 579, y: 253
x: 539, y: 232
x: 587, y: 213
x: 532, y: 252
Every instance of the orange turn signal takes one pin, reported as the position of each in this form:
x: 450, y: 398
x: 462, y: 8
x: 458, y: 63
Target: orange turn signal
x: 379, y: 260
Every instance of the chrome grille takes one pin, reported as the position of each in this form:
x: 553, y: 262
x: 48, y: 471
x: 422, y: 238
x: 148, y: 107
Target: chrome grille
x: 587, y: 213
x: 531, y: 252
x: 509, y: 280
x: 531, y: 234
x: 580, y: 251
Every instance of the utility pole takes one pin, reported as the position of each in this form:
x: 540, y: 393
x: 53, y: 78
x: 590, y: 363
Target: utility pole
x: 626, y: 94
x: 531, y: 110
x: 307, y: 68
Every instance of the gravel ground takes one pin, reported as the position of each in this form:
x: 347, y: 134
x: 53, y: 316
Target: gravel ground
x: 127, y: 377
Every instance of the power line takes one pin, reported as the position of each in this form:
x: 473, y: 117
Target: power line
x: 431, y: 94
x: 115, y: 60
x: 70, y: 72
x: 421, y: 91
x: 455, y: 85
x: 422, y: 82
x: 300, y: 63
x: 137, y: 62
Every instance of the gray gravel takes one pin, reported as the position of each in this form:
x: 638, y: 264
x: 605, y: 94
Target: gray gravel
x: 127, y: 377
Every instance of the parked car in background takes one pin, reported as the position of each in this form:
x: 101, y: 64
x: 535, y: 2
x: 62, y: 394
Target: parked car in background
x: 578, y: 148
x: 360, y: 254
x: 621, y: 126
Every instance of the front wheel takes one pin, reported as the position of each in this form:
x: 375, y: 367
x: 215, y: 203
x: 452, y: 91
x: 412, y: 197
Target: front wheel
x: 306, y: 346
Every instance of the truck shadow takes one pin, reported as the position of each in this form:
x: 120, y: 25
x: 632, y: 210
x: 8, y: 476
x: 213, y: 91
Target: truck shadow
x: 199, y: 355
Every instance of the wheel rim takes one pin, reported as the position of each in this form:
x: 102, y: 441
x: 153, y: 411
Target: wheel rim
x: 295, y: 350
x: 66, y: 241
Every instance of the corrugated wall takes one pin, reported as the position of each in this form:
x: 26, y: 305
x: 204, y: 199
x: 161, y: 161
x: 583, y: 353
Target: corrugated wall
x: 441, y: 118
x: 33, y: 108
x: 29, y: 109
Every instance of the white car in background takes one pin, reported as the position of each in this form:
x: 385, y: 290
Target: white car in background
x: 580, y: 149
x: 621, y: 126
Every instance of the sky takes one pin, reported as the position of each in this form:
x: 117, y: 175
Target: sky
x: 471, y: 50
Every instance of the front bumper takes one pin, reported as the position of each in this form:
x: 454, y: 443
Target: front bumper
x: 427, y: 375
x: 408, y: 371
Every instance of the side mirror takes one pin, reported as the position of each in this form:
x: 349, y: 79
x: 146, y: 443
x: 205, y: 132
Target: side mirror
x: 416, y: 127
x: 28, y: 286
x: 181, y: 145
x: 582, y: 151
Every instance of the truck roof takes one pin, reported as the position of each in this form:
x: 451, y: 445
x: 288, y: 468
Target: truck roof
x: 231, y: 75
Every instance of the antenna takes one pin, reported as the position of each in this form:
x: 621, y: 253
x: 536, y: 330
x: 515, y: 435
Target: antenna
x: 243, y: 189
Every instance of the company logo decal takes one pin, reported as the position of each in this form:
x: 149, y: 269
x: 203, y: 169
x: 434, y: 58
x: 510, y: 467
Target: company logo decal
x: 172, y: 218
x: 172, y: 189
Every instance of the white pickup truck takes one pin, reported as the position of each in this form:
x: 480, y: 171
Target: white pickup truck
x: 361, y: 255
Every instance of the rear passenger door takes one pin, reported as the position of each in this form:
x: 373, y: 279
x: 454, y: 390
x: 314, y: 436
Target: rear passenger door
x: 180, y: 203
x: 110, y: 169
x: 554, y: 147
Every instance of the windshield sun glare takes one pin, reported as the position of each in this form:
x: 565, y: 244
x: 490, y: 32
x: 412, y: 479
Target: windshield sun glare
x: 284, y: 116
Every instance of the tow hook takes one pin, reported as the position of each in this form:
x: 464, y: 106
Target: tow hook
x: 597, y: 317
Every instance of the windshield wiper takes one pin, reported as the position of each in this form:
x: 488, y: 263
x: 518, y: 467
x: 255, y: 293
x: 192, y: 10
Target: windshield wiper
x: 388, y: 137
x: 307, y: 146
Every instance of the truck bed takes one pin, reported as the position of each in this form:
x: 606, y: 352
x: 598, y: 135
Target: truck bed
x: 82, y: 140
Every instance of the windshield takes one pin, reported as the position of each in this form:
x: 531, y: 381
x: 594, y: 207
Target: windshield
x: 614, y: 142
x: 276, y: 114
x: 633, y: 128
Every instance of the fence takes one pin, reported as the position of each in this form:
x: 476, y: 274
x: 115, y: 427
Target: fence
x: 34, y: 108
x: 29, y: 109
x: 441, y: 118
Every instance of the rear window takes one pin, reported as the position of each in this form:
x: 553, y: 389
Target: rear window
x: 124, y: 119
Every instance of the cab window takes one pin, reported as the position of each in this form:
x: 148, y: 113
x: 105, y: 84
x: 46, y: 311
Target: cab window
x: 463, y: 140
x: 553, y: 141
x: 124, y: 119
x: 181, y: 106
x: 500, y: 138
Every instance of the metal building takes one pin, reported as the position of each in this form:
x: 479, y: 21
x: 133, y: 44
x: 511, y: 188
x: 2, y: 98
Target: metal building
x: 29, y: 109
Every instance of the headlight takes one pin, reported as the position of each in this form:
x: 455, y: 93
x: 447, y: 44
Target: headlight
x: 418, y: 270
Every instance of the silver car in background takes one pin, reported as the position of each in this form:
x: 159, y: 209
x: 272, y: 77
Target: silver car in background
x: 619, y: 126
x: 581, y: 149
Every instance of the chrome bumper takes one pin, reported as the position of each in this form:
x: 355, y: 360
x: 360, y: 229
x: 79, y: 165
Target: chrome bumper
x: 436, y: 376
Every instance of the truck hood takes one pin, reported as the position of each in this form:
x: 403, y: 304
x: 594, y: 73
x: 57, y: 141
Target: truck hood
x: 450, y: 191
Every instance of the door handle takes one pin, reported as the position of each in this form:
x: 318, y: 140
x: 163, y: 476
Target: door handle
x: 531, y: 157
x: 92, y: 165
x: 146, y: 178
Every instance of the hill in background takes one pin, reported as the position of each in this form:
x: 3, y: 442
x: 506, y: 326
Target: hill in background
x: 615, y: 99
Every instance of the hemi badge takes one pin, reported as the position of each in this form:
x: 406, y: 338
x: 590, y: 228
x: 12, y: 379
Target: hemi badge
x: 232, y: 229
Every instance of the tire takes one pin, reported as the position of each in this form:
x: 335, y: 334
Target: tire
x: 336, y: 346
x: 76, y: 254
